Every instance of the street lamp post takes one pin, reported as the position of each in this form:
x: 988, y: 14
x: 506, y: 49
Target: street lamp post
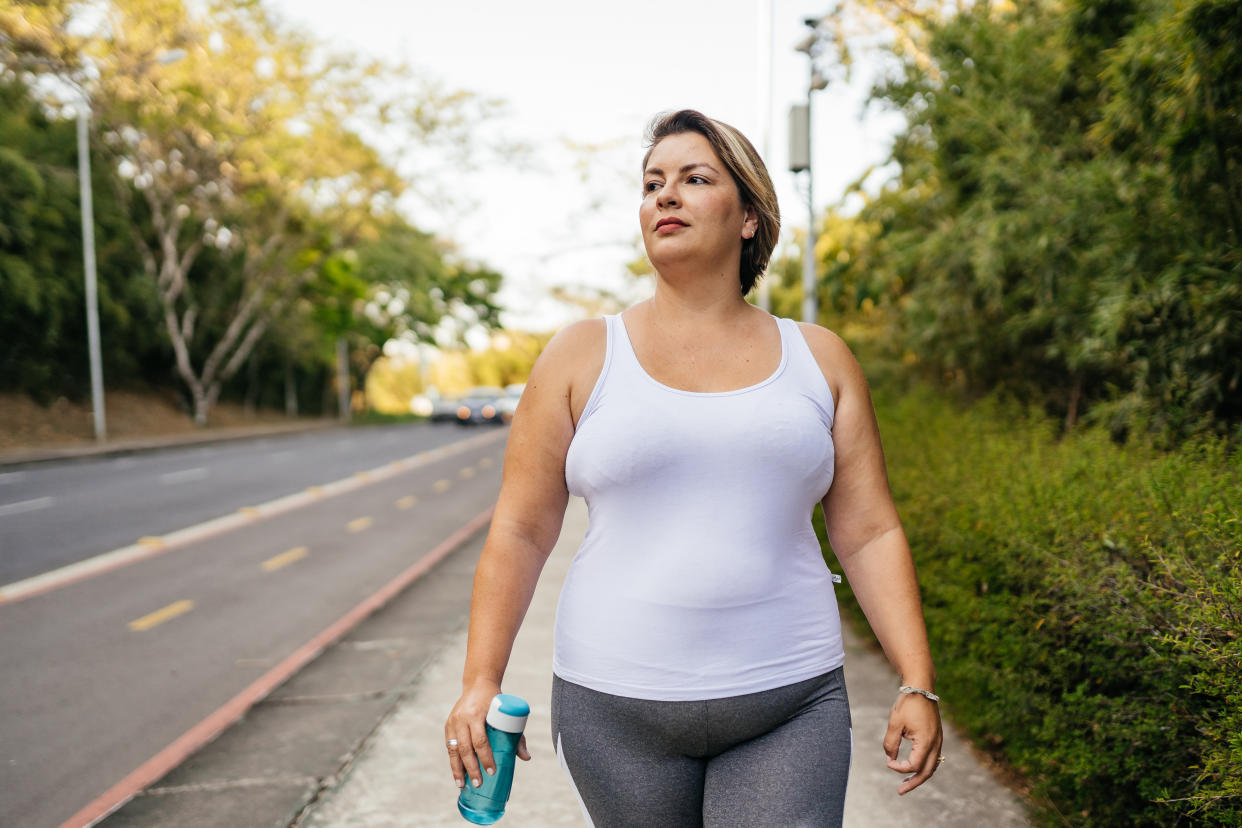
x: 88, y: 259
x: 88, y: 249
x: 766, y: 56
x: 800, y: 160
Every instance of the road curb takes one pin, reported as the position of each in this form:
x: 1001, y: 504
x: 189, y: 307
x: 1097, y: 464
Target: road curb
x: 90, y: 451
x: 209, y: 728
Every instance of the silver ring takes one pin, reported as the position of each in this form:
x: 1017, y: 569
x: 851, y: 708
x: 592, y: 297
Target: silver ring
x: 452, y: 743
x: 939, y: 760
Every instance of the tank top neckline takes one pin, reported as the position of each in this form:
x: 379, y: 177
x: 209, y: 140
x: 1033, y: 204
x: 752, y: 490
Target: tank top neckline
x: 780, y: 368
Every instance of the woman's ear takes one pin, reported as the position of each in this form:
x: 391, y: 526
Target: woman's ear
x: 750, y: 224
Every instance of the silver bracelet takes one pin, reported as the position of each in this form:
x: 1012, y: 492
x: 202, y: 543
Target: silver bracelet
x: 927, y: 694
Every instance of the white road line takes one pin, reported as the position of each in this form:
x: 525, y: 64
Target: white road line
x: 18, y: 590
x: 12, y: 477
x: 184, y: 476
x: 26, y: 506
x: 124, y: 463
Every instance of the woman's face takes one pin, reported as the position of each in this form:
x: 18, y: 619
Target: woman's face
x: 691, y: 208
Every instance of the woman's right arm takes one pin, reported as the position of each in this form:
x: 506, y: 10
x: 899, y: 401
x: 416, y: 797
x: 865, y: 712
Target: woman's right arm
x: 525, y: 526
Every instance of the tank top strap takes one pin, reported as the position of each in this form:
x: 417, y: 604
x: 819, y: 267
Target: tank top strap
x: 612, y: 324
x: 803, y: 368
x: 624, y: 357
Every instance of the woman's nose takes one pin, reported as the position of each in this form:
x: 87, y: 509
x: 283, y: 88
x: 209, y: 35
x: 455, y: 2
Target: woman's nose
x: 667, y: 196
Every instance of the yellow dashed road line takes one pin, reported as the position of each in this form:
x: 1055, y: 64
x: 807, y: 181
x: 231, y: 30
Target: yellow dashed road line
x: 359, y: 524
x: 442, y: 485
x: 406, y: 502
x: 158, y: 617
x: 485, y: 463
x: 466, y: 473
x: 151, y: 542
x: 297, y: 553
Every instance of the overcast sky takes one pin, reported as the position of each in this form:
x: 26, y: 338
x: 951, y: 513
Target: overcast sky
x: 595, y: 73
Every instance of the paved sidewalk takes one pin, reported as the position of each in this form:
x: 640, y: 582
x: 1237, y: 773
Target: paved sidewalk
x: 401, y: 777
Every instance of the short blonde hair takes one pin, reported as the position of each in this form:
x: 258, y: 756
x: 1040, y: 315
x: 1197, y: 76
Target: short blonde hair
x: 749, y: 174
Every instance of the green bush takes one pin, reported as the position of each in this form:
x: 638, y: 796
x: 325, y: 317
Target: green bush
x: 1084, y: 603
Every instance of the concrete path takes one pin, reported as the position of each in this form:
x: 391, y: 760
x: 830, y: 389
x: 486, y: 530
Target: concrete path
x: 401, y: 777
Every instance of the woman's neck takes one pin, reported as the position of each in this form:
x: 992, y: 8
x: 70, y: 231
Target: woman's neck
x: 698, y: 287
x: 694, y: 301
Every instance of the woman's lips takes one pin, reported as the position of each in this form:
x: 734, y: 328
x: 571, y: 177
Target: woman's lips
x: 669, y: 225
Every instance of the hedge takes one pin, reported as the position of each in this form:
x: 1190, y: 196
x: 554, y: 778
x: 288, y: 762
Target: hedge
x: 1084, y: 603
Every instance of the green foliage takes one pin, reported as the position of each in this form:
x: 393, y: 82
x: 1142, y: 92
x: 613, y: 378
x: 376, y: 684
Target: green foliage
x: 241, y: 218
x: 371, y: 417
x: 1084, y: 602
x: 42, y: 306
x: 1065, y: 225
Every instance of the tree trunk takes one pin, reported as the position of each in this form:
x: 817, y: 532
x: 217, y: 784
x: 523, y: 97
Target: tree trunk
x: 291, y: 391
x: 1071, y: 415
x: 202, y: 405
x: 342, y: 379
x: 252, y: 387
x: 329, y: 391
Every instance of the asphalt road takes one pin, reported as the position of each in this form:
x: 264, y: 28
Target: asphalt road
x: 55, y: 514
x: 101, y: 674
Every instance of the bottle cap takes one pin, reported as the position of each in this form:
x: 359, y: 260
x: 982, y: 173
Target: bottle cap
x: 508, y: 713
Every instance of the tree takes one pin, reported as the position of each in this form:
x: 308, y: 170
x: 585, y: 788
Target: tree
x: 1062, y: 226
x: 245, y: 166
x: 42, y: 322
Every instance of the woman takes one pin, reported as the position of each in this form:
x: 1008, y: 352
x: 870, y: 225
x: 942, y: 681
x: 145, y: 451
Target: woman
x: 698, y: 652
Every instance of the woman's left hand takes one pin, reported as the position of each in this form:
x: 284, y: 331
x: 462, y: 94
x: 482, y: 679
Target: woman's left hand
x: 915, y: 718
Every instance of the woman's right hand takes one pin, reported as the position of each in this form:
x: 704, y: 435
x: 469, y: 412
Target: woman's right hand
x: 472, y: 754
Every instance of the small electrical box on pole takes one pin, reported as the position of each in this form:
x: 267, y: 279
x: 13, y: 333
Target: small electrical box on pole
x: 799, y: 137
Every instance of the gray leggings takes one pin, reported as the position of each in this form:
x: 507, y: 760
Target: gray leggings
x: 780, y: 757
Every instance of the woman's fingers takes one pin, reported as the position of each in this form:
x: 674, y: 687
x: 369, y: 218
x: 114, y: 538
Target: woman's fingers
x: 919, y: 722
x: 892, y: 738
x: 484, y: 763
x: 470, y: 755
x: 455, y: 764
x: 522, y: 751
x: 922, y: 763
x: 465, y: 738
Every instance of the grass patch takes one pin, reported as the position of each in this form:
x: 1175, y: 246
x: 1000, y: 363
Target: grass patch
x: 369, y: 418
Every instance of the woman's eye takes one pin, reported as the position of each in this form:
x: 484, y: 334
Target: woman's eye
x: 697, y: 179
x: 650, y: 186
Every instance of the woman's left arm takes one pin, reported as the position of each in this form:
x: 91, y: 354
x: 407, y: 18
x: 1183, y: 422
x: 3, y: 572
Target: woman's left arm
x: 866, y: 535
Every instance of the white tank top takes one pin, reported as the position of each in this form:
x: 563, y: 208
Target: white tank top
x: 700, y: 575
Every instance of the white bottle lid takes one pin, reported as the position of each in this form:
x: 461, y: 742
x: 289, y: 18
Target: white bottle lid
x: 508, y: 713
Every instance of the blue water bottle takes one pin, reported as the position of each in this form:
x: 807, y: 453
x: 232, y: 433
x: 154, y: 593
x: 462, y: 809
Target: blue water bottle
x: 506, y: 719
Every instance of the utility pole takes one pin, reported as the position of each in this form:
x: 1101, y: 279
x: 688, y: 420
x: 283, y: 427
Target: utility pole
x: 800, y: 145
x: 87, y: 211
x: 88, y: 259
x: 765, y: 61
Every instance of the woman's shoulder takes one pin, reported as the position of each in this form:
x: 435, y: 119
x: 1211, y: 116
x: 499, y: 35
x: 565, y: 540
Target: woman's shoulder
x: 572, y: 361
x: 833, y: 356
x: 578, y: 341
